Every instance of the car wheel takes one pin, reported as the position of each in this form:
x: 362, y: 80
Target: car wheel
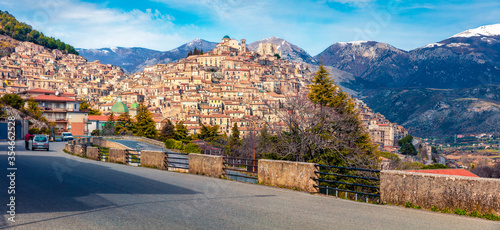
x: 47, y: 149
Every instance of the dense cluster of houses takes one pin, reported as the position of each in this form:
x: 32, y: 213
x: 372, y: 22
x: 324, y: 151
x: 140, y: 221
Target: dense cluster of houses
x: 226, y: 86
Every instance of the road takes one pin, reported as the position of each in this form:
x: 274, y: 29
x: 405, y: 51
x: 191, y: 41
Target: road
x: 55, y: 190
x: 133, y: 144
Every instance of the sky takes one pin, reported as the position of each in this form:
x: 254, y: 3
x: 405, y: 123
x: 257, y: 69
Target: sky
x: 310, y: 24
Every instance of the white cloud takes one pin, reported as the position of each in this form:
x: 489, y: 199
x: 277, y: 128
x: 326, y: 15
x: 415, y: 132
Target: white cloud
x: 86, y: 25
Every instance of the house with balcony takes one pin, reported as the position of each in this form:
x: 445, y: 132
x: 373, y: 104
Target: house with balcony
x: 64, y: 112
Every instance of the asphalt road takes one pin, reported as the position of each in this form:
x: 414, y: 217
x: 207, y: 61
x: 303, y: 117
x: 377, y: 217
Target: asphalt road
x: 55, y: 190
x: 144, y: 146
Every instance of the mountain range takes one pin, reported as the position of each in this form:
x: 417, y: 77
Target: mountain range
x: 421, y: 89
x: 134, y: 59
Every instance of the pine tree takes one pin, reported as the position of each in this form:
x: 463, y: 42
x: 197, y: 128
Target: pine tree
x: 354, y: 137
x: 180, y: 132
x: 234, y: 140
x: 167, y: 131
x: 322, y: 88
x: 144, y: 125
x: 124, y: 124
x: 109, y: 126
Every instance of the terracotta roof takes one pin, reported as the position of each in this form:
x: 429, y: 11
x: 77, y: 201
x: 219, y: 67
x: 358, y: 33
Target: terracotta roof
x: 99, y: 118
x: 52, y: 98
x: 452, y: 172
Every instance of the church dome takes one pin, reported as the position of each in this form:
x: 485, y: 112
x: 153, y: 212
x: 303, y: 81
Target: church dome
x: 226, y: 37
x: 134, y: 105
x: 119, y: 107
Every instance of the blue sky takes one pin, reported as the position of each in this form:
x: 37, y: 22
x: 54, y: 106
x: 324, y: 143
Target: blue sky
x: 310, y: 24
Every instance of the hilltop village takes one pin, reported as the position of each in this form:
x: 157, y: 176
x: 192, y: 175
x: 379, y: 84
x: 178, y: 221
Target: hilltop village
x: 224, y: 86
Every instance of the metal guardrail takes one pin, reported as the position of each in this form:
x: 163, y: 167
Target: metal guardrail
x: 241, y: 169
x: 133, y: 157
x: 358, y: 184
x: 177, y: 160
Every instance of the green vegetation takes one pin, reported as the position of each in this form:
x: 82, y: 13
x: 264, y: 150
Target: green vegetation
x: 410, y: 205
x: 167, y: 131
x: 109, y: 126
x: 180, y: 132
x: 34, y: 111
x: 13, y: 100
x: 173, y: 144
x: 21, y: 31
x: 85, y: 106
x: 144, y: 124
x: 407, y: 147
x: 124, y: 124
x: 435, y: 166
x: 277, y: 56
x: 191, y: 148
x: 196, y: 51
x: 234, y: 140
x: 463, y: 212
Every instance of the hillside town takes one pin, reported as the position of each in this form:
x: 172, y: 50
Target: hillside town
x: 225, y: 86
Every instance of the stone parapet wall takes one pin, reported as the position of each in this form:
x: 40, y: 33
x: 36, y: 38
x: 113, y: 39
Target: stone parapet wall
x: 443, y: 191
x: 153, y: 159
x: 288, y: 174
x: 206, y: 165
x: 117, y: 156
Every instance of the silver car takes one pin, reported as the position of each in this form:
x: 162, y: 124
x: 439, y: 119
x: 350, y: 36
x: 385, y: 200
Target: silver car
x: 40, y: 142
x: 66, y: 136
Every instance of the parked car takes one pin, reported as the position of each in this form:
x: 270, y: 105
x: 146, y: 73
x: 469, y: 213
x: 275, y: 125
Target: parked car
x: 67, y: 136
x: 40, y: 142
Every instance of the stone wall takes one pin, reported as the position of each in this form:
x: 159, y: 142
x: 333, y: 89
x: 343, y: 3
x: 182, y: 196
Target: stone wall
x: 93, y: 153
x: 206, y: 164
x: 79, y: 150
x: 288, y: 174
x: 117, y: 155
x: 153, y: 159
x: 68, y: 147
x: 443, y: 191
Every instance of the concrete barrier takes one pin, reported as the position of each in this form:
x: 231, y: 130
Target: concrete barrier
x: 93, y: 153
x: 288, y: 174
x: 79, y: 150
x: 153, y: 159
x: 443, y: 191
x: 206, y: 164
x: 117, y: 155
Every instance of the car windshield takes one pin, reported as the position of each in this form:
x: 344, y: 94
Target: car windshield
x: 66, y: 134
x: 41, y: 139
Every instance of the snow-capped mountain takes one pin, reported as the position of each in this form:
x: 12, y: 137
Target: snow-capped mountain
x: 127, y: 58
x: 288, y: 50
x: 489, y: 31
x: 360, y: 57
x: 135, y: 59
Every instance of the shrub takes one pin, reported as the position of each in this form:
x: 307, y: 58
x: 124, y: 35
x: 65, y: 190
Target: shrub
x: 192, y: 148
x: 173, y: 144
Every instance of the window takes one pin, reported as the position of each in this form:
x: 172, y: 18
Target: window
x: 69, y: 116
x: 69, y: 126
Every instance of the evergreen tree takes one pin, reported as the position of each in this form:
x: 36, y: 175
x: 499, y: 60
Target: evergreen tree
x: 209, y: 133
x: 109, y: 126
x: 355, y: 142
x: 14, y: 100
x: 167, y: 131
x: 322, y: 88
x: 144, y: 123
x: 124, y: 124
x: 234, y: 140
x: 180, y: 132
x: 34, y: 110
x: 406, y: 146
